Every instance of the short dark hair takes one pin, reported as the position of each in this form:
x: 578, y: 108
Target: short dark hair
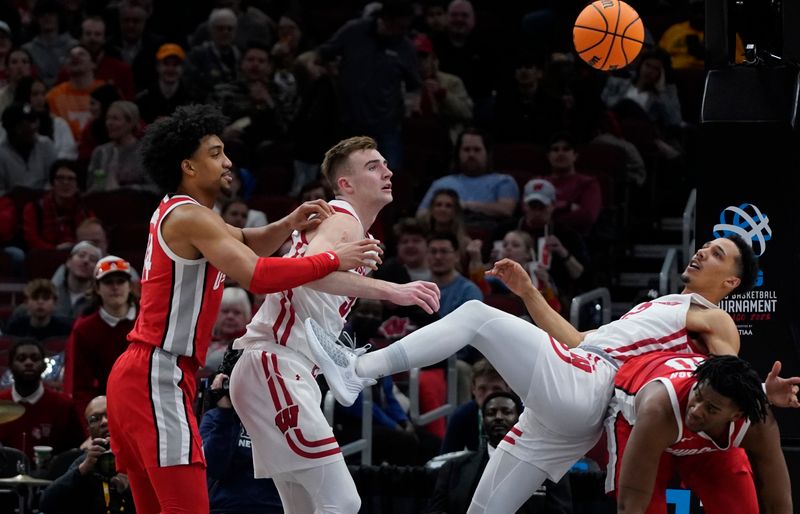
x: 255, y: 44
x: 71, y: 165
x: 392, y: 9
x: 23, y: 341
x: 473, y: 131
x: 561, y: 136
x: 411, y: 227
x: 502, y: 394
x: 40, y: 288
x: 168, y: 141
x: 484, y: 368
x: 445, y: 236
x: 736, y: 379
x: 746, y: 264
x: 230, y: 201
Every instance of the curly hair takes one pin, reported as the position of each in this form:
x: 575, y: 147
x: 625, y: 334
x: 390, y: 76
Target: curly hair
x: 736, y: 379
x: 169, y: 141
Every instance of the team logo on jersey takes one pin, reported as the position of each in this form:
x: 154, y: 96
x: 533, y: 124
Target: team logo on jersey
x: 286, y: 418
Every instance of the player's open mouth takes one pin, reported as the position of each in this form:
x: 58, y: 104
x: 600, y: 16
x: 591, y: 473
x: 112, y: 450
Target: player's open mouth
x: 387, y: 187
x: 693, y: 264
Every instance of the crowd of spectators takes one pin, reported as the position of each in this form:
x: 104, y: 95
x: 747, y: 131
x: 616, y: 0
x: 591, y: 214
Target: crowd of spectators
x: 502, y: 142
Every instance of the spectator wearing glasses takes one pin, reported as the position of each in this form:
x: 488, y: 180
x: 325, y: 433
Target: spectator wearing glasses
x: 216, y: 61
x: 100, y: 335
x: 90, y: 485
x: 52, y: 221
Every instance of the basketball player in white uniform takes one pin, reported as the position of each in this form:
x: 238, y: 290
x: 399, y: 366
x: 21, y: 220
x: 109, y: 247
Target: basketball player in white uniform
x: 565, y: 377
x: 273, y: 385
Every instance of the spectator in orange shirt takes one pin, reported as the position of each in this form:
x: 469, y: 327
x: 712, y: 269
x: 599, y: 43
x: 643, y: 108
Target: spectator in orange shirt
x: 70, y: 100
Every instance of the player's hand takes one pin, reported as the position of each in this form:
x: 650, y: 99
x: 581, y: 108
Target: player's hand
x: 422, y: 294
x: 782, y: 392
x: 365, y: 252
x: 513, y: 276
x: 309, y: 215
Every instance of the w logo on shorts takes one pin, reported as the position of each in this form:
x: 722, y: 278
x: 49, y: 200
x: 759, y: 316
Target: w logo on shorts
x: 286, y: 418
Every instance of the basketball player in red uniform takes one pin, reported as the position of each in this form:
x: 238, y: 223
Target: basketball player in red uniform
x: 190, y: 250
x: 694, y: 415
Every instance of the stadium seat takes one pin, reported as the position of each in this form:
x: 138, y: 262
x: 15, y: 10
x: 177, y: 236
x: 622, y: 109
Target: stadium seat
x: 506, y: 303
x: 526, y: 157
x: 274, y: 206
x: 122, y: 206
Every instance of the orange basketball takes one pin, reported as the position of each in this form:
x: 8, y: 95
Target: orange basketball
x: 608, y: 34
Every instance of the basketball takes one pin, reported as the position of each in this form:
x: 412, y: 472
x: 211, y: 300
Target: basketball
x: 608, y: 34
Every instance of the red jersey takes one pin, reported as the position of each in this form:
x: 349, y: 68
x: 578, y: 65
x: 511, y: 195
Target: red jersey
x: 674, y: 372
x: 180, y: 297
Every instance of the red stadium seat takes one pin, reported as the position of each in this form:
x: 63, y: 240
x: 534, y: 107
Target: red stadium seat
x: 526, y: 157
x: 274, y: 206
x: 43, y: 263
x: 506, y: 303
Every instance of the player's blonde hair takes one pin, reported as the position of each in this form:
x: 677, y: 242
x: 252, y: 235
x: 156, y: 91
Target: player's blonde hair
x: 336, y: 158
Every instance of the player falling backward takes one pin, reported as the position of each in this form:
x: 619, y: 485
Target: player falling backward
x: 565, y: 377
x: 273, y: 387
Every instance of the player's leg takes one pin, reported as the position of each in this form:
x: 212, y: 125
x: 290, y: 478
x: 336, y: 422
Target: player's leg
x: 506, y: 483
x: 294, y: 497
x: 144, y: 496
x: 181, y: 489
x: 509, y: 343
x: 722, y: 480
x: 329, y: 488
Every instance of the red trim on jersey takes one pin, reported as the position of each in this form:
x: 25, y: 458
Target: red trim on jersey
x: 289, y: 323
x: 279, y: 320
x: 297, y: 432
x: 342, y: 210
x: 270, y: 382
x: 313, y: 444
x: 648, y: 341
x: 517, y: 431
x: 309, y: 455
x: 279, y: 378
x: 509, y: 440
x: 560, y: 349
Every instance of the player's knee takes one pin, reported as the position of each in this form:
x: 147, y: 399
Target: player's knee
x: 472, y: 310
x: 350, y: 505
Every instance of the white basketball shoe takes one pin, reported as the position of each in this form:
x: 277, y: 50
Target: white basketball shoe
x: 337, y: 362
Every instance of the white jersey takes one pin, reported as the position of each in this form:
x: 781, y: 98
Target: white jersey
x: 657, y: 325
x: 280, y: 319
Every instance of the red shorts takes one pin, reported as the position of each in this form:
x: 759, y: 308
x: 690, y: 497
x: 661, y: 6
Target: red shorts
x: 723, y: 480
x: 150, y: 409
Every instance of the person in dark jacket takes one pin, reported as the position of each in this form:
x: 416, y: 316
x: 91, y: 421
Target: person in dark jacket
x: 459, y: 477
x: 91, y: 484
x: 232, y: 488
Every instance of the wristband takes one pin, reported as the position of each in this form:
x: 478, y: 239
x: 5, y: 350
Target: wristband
x: 274, y: 274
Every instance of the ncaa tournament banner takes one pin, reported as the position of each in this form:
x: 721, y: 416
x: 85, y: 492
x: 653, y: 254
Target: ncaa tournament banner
x: 748, y: 186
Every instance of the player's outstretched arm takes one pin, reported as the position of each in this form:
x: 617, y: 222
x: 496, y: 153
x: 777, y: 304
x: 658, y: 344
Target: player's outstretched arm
x: 343, y: 227
x: 716, y: 330
x: 200, y: 228
x: 654, y: 431
x: 519, y: 282
x: 268, y: 239
x: 763, y: 445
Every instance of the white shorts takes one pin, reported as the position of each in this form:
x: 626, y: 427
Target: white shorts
x: 564, y: 408
x: 278, y: 400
